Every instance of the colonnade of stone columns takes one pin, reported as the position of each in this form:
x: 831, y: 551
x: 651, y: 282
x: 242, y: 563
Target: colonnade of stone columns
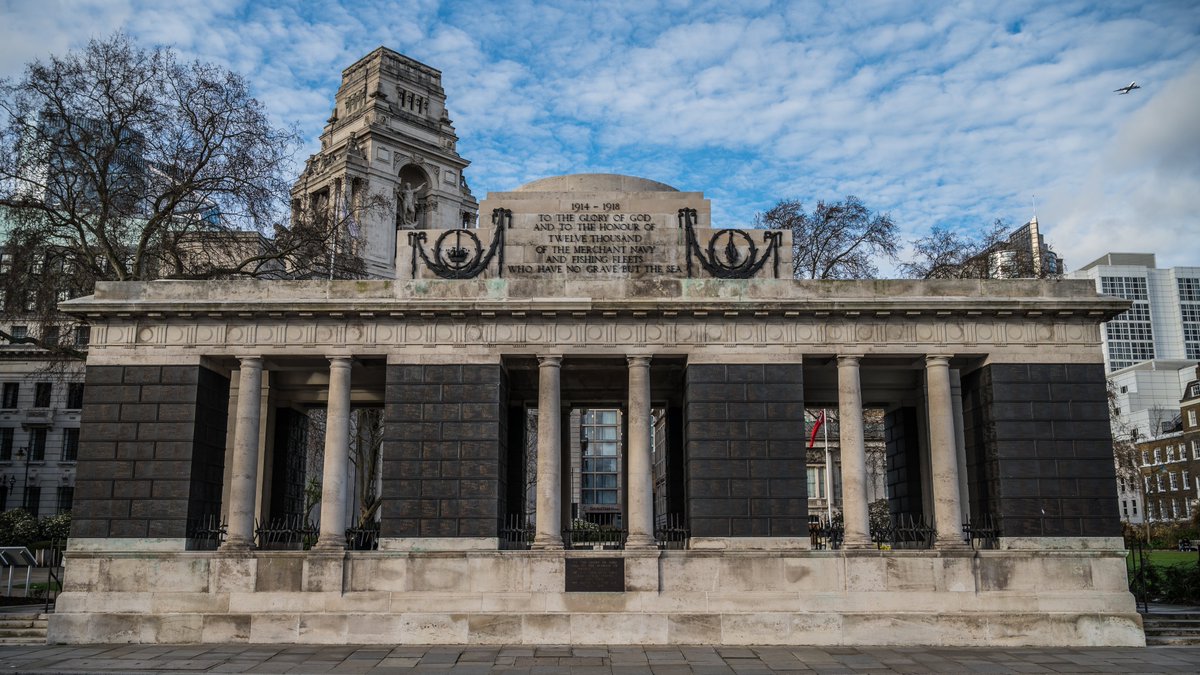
x: 947, y: 500
x: 944, y: 472
x: 335, y: 475
x: 944, y: 469
x: 548, y: 524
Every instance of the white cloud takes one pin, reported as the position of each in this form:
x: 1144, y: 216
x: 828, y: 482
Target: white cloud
x: 949, y: 114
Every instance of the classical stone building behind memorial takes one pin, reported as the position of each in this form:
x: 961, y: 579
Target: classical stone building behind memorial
x: 388, y: 160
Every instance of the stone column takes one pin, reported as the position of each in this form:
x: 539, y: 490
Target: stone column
x: 548, y: 533
x: 641, y: 481
x: 943, y: 454
x: 854, y: 454
x: 337, y: 457
x: 243, y: 484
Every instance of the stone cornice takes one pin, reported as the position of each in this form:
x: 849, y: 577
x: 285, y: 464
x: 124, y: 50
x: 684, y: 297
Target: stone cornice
x: 881, y: 299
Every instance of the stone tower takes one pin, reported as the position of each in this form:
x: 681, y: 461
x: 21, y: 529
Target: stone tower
x: 388, y: 159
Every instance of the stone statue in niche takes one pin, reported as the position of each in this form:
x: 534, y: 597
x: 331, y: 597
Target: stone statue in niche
x: 352, y: 145
x: 407, y: 195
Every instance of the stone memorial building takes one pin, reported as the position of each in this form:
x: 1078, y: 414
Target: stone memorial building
x: 593, y: 404
x: 592, y: 292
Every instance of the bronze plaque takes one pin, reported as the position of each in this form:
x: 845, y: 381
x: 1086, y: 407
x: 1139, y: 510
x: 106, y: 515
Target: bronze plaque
x: 595, y: 575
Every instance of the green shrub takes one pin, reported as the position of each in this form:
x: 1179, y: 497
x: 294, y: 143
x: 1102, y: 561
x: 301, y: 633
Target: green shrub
x: 19, y: 528
x: 57, y: 528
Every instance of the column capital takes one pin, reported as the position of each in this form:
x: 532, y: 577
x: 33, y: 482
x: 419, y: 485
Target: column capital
x: 549, y: 360
x: 250, y: 361
x: 937, y: 360
x: 638, y: 360
x: 849, y: 359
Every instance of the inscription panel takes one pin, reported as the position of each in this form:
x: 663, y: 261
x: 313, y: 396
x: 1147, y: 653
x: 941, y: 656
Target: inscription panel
x: 595, y: 575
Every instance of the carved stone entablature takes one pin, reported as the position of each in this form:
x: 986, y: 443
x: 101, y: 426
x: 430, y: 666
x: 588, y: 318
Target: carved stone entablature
x: 212, y: 319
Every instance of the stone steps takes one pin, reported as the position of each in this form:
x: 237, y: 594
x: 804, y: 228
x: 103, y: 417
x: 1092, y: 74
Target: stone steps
x: 1173, y: 628
x: 23, y: 629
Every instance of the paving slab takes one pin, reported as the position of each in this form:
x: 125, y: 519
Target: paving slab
x: 586, y: 659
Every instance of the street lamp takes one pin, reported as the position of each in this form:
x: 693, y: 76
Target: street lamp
x: 23, y: 454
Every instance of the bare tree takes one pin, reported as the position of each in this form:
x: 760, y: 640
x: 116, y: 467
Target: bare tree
x: 122, y: 163
x: 368, y: 461
x: 1126, y: 453
x: 947, y: 254
x: 838, y: 240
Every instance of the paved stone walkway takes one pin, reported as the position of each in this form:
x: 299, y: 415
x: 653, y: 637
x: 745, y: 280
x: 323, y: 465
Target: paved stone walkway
x: 529, y: 659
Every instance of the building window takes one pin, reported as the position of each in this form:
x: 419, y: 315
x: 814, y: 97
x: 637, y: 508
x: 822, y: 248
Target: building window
x: 1173, y: 480
x: 1196, y: 449
x: 600, y: 440
x: 1124, y: 508
x: 1158, y: 455
x: 66, y: 495
x: 33, y: 499
x: 41, y: 394
x: 816, y: 482
x: 75, y: 395
x: 12, y: 394
x: 37, y: 445
x: 20, y: 332
x: 70, y: 445
x: 6, y: 444
x: 1191, y: 418
x: 1170, y: 453
x: 83, y: 336
x: 1158, y: 481
x: 1134, y: 503
x: 1187, y: 479
x: 1145, y: 458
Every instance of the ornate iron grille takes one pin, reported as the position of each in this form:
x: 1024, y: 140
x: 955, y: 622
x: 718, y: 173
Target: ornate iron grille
x: 458, y: 254
x: 722, y: 258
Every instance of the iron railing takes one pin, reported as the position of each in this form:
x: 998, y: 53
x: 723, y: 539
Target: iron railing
x: 363, y: 538
x: 288, y: 533
x: 54, y: 581
x: 206, y: 533
x: 601, y: 537
x: 672, y: 532
x: 982, y: 532
x: 516, y: 532
x: 904, y: 531
x: 825, y: 534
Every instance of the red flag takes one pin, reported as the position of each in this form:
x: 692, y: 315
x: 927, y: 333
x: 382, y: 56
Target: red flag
x: 812, y: 439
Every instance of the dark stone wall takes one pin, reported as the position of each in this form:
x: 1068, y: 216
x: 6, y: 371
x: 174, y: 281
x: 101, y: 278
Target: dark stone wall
x: 901, y: 436
x: 1039, y: 449
x: 151, y: 450
x: 444, y: 447
x: 287, y: 466
x: 745, y: 446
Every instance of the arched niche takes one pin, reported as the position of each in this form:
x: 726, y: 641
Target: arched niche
x: 413, y: 184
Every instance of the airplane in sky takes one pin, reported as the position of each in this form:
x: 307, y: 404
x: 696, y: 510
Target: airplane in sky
x: 1127, y: 88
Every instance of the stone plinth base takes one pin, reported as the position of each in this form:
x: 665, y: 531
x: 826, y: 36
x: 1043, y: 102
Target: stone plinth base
x: 963, y: 598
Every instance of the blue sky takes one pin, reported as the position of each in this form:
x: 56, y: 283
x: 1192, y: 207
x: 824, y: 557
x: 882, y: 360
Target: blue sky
x: 948, y: 114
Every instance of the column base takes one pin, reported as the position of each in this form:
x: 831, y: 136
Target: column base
x: 546, y: 544
x: 236, y: 546
x: 858, y: 543
x: 950, y: 543
x: 640, y: 542
x: 327, y: 547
